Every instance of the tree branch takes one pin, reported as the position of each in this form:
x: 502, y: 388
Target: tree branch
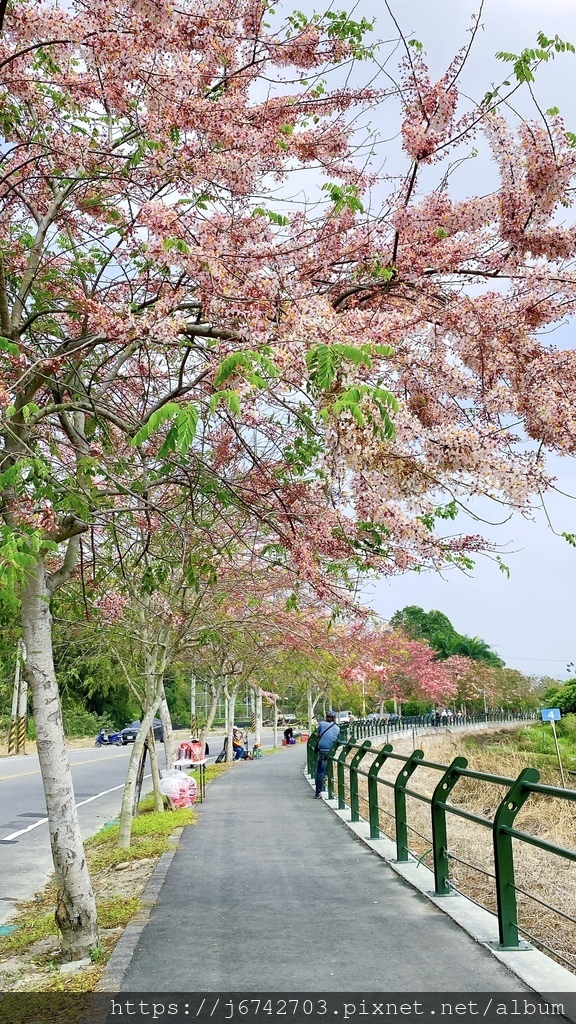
x: 63, y: 574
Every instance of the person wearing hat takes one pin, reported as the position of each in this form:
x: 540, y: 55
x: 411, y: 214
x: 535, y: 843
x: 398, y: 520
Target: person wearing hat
x: 328, y: 733
x: 238, y: 750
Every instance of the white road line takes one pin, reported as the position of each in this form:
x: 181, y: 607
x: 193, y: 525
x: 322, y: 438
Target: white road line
x: 42, y: 821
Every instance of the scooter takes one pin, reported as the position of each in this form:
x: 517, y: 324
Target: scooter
x: 106, y: 739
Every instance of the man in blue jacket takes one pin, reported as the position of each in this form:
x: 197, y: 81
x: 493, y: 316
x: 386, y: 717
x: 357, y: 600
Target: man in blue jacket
x: 328, y: 733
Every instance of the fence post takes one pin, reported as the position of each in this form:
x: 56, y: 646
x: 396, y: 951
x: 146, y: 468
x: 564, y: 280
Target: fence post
x: 340, y: 765
x: 354, y: 763
x: 330, y: 774
x: 402, y: 852
x: 439, y: 832
x: 373, y: 790
x: 504, y: 859
x: 311, y: 753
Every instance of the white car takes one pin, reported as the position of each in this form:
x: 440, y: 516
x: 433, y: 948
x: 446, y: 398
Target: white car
x: 342, y: 717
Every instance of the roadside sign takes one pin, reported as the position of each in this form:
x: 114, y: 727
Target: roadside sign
x: 553, y: 715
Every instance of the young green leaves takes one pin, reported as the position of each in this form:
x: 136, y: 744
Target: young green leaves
x: 326, y: 364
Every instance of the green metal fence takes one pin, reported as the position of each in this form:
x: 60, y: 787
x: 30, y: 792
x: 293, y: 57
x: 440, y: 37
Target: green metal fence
x: 363, y: 728
x: 345, y: 770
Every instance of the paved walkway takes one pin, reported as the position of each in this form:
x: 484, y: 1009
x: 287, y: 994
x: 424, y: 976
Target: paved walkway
x: 271, y: 892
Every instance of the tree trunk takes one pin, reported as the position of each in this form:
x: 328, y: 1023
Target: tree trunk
x: 158, y: 798
x: 312, y: 702
x: 193, y: 714
x: 215, y: 693
x: 167, y: 731
x: 258, y: 717
x: 76, y: 906
x: 230, y: 694
x: 129, y: 794
x: 275, y: 712
x: 140, y: 777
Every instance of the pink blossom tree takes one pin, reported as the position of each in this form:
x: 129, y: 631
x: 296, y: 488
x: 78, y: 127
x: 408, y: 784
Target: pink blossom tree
x: 164, y: 327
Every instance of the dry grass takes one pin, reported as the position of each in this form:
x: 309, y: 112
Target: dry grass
x: 546, y: 876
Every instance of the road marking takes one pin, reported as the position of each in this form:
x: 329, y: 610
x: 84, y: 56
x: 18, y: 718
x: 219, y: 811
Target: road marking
x: 19, y: 775
x: 42, y: 821
x: 73, y: 764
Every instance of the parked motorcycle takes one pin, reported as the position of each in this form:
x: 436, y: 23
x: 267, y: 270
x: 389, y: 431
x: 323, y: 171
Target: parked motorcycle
x: 108, y: 739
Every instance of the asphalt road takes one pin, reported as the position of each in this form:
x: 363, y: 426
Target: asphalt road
x: 98, y: 775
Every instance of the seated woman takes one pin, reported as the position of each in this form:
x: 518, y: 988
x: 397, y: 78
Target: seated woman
x: 237, y: 744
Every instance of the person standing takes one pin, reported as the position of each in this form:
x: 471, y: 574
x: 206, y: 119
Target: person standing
x: 328, y: 733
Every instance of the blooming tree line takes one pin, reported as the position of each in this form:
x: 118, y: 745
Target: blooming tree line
x: 216, y: 416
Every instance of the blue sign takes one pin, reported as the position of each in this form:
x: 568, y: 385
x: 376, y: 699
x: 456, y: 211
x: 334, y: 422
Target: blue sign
x: 551, y: 714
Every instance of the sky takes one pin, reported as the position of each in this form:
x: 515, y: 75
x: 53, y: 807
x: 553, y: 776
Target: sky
x: 528, y: 618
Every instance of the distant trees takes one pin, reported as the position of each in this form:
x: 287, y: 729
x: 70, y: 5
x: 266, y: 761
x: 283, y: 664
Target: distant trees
x: 563, y: 696
x: 436, y: 628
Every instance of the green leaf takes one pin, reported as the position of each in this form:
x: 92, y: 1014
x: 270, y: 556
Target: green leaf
x: 8, y: 346
x: 175, y: 243
x: 231, y: 365
x: 31, y: 409
x: 552, y: 111
x: 343, y: 196
x: 156, y: 420
x: 503, y: 567
x: 273, y: 217
x: 244, y: 364
x: 229, y: 398
x: 182, y: 432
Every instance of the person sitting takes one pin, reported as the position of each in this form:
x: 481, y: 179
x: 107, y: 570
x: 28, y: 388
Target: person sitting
x: 237, y: 744
x: 289, y: 734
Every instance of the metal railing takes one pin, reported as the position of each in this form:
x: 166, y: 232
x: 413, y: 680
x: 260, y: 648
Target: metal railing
x: 517, y: 792
x: 363, y: 728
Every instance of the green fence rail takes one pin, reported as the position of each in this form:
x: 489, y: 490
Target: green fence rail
x: 348, y: 755
x: 364, y: 728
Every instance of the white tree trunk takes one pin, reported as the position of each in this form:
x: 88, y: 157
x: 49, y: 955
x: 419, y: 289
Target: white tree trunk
x: 230, y: 693
x: 258, y: 716
x: 215, y: 694
x: 155, y: 657
x: 167, y: 731
x: 129, y: 794
x: 76, y: 906
x: 312, y: 702
x: 276, y: 724
x: 153, y: 751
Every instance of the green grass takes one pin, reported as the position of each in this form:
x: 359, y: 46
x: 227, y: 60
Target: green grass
x: 31, y: 928
x: 535, y: 743
x: 117, y: 911
x: 112, y: 913
x: 151, y: 832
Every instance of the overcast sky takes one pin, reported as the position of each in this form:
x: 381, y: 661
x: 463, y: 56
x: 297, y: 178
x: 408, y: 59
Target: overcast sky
x: 528, y: 619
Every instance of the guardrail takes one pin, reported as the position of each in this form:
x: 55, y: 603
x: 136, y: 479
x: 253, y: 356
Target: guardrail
x: 501, y: 826
x: 363, y: 728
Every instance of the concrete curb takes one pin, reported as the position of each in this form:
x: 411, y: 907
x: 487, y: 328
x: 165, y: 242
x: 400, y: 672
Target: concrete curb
x: 538, y: 971
x: 111, y: 980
